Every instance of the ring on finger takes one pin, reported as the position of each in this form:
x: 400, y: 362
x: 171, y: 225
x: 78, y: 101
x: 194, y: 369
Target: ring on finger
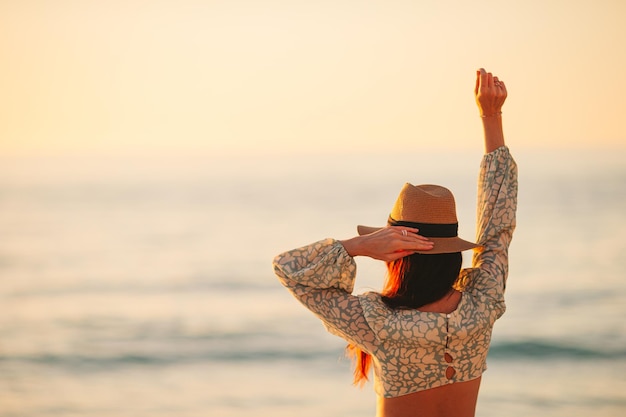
x: 404, y: 232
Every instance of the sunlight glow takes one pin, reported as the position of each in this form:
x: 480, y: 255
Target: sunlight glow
x: 248, y: 76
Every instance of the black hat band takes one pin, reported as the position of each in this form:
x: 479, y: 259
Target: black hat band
x: 429, y: 229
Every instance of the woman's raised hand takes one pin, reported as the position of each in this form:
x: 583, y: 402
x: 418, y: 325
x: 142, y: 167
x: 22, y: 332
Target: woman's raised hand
x: 388, y: 244
x: 490, y: 93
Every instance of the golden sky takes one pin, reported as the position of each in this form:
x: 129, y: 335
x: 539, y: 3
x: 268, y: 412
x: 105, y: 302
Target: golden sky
x: 209, y: 76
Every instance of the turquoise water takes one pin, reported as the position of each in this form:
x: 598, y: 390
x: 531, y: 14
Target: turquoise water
x: 143, y: 286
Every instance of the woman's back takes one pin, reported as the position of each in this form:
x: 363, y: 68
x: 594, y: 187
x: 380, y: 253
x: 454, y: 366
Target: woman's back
x: 457, y: 399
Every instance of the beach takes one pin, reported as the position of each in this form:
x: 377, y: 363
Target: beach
x: 143, y: 286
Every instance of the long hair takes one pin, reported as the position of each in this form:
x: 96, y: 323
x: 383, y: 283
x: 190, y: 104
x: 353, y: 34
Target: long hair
x: 412, y: 282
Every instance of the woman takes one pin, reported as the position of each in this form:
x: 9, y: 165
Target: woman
x: 428, y: 332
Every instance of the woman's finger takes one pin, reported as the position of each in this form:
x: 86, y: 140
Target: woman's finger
x: 422, y: 244
x: 410, y: 236
x: 483, y: 79
x: 489, y: 80
x: 422, y: 238
x: 409, y: 233
x: 477, y: 86
x: 399, y: 229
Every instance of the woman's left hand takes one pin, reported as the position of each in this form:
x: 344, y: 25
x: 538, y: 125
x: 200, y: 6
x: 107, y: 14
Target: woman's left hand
x: 388, y: 244
x: 490, y: 93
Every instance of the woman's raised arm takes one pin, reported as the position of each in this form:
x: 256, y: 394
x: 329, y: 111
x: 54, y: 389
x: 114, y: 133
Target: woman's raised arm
x: 490, y: 94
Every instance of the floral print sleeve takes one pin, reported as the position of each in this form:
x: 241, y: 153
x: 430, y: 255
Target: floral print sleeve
x: 321, y: 276
x: 497, y: 204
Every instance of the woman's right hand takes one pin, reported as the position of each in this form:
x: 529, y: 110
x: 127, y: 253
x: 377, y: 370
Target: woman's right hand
x: 490, y: 93
x: 388, y: 244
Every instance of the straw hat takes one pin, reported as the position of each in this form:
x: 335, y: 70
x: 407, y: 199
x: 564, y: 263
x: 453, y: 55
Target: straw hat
x: 431, y: 209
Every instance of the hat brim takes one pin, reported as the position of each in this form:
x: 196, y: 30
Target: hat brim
x: 441, y: 244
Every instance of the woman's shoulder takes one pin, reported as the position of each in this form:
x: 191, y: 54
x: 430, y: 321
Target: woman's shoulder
x: 478, y: 284
x: 375, y: 311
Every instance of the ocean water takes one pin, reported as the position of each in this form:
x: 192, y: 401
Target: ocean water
x: 143, y: 286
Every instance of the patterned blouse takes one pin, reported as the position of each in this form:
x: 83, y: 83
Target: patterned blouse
x: 413, y: 350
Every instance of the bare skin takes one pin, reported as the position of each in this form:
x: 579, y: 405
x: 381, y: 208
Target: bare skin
x: 390, y: 243
x: 490, y: 94
x: 458, y: 400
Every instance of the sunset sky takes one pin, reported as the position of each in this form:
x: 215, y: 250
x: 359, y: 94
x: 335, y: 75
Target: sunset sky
x: 212, y: 76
